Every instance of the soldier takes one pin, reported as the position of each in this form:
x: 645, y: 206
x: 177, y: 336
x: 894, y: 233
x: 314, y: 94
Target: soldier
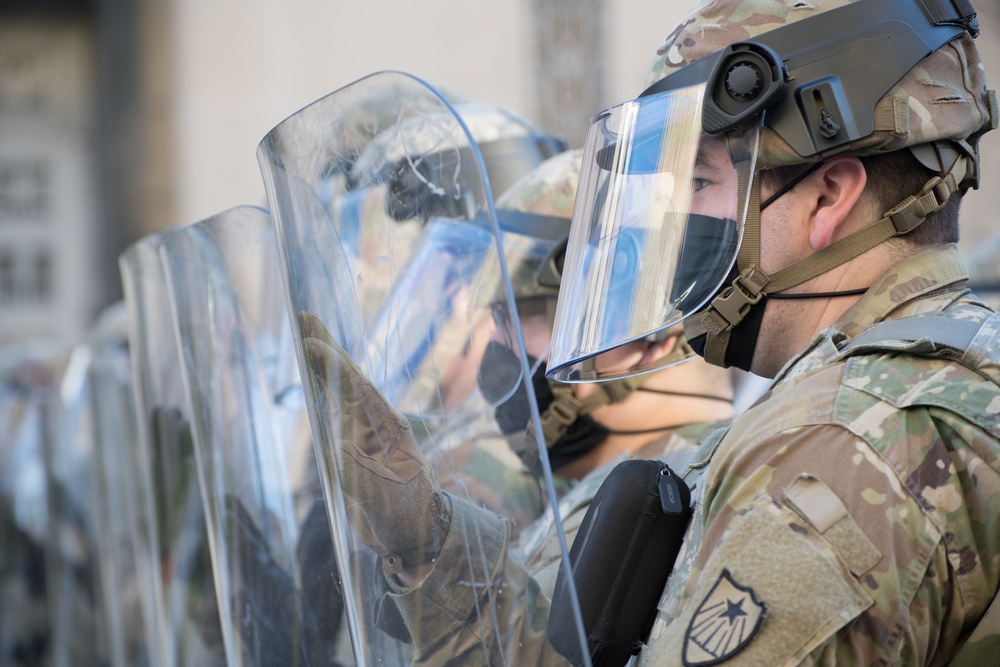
x: 847, y: 516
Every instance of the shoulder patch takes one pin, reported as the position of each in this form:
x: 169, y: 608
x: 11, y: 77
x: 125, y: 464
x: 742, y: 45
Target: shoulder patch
x: 725, y: 621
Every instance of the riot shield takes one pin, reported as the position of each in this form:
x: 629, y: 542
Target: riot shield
x: 279, y: 595
x: 79, y: 634
x: 29, y: 380
x: 127, y: 600
x: 173, y: 529
x: 415, y: 374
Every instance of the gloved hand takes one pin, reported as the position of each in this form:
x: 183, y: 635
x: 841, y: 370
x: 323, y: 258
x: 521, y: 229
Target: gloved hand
x: 393, y: 499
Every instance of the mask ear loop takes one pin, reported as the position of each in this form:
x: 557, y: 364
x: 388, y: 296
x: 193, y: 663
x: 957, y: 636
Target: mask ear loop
x: 770, y: 200
x: 730, y: 307
x: 791, y: 184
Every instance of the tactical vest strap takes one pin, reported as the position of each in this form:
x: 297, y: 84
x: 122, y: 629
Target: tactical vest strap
x: 934, y: 335
x: 944, y: 332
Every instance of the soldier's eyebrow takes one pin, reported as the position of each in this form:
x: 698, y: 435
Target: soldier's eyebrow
x: 704, y: 161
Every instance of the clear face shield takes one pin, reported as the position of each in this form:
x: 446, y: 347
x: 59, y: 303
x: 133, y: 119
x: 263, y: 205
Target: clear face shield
x: 418, y: 468
x: 656, y: 230
x: 263, y: 502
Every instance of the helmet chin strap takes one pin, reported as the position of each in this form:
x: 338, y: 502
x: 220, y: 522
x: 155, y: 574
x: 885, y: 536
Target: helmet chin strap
x: 729, y: 308
x: 566, y: 408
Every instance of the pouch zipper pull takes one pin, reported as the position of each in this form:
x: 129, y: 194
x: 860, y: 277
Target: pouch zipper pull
x: 670, y: 493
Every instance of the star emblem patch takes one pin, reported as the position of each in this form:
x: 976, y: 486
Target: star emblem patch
x: 725, y: 621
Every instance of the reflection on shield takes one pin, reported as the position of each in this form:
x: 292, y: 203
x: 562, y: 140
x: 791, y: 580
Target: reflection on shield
x: 726, y: 620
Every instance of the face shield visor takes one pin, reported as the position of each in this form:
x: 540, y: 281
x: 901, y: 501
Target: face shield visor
x: 656, y: 228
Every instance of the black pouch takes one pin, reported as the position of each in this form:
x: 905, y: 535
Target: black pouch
x: 621, y: 558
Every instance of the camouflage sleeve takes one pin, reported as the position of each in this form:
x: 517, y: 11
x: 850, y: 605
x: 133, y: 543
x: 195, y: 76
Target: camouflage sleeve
x: 813, y: 553
x: 456, y: 616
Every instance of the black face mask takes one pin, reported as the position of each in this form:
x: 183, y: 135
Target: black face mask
x: 582, y: 436
x: 499, y: 371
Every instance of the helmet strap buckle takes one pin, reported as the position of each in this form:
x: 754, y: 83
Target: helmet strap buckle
x: 737, y: 299
x: 912, y: 211
x: 559, y: 416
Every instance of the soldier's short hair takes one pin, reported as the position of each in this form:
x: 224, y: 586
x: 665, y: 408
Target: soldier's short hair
x: 891, y: 178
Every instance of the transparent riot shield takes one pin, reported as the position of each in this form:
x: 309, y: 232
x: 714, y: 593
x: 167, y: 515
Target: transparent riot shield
x: 79, y: 633
x: 275, y: 570
x: 126, y: 594
x: 29, y: 395
x: 173, y: 529
x: 414, y: 371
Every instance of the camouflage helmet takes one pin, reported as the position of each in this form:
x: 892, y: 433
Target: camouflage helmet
x: 536, y: 212
x: 427, y: 151
x: 943, y: 97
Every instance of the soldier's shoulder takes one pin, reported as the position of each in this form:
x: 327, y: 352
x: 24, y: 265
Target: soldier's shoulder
x: 910, y: 380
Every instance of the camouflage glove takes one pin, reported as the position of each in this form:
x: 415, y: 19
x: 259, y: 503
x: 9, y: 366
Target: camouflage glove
x: 393, y: 499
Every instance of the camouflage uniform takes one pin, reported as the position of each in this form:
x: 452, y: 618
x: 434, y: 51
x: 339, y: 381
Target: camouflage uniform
x: 857, y: 501
x: 846, y: 514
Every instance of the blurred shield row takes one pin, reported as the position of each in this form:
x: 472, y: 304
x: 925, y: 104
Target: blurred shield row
x: 170, y: 489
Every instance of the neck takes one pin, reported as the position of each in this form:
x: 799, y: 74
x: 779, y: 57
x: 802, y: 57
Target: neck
x: 789, y: 324
x: 646, y: 410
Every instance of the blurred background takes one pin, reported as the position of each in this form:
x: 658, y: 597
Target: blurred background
x: 121, y: 117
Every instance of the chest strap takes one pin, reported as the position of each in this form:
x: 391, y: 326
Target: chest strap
x: 934, y: 335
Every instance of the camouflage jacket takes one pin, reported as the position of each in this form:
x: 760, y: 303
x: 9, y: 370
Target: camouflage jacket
x: 850, y: 515
x: 524, y: 576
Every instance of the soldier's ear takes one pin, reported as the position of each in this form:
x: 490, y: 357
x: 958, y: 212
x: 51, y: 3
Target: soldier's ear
x: 833, y: 193
x: 658, y: 347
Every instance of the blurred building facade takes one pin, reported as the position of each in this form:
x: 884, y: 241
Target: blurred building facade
x: 120, y: 117
x: 84, y: 156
